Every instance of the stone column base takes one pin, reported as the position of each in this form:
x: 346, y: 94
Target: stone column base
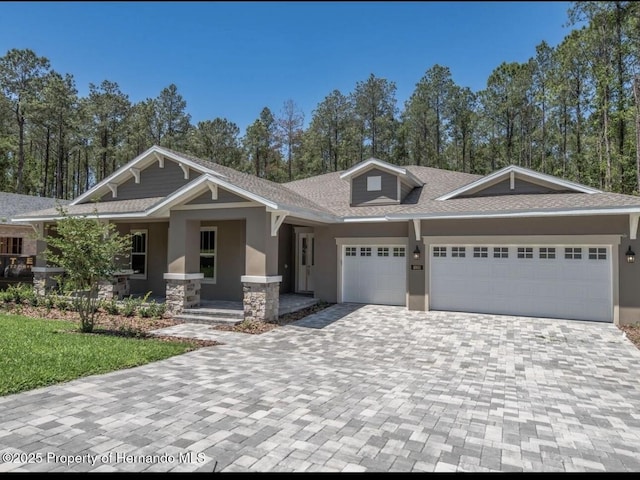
x: 44, y: 280
x: 261, y: 297
x: 118, y: 287
x: 183, y: 291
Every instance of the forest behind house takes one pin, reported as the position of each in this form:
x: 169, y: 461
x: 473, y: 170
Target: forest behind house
x: 572, y: 110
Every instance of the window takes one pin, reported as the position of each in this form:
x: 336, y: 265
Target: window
x: 480, y: 252
x: 458, y: 252
x: 525, y: 252
x: 365, y: 251
x: 139, y: 253
x: 208, y: 253
x: 374, y: 184
x: 597, y: 254
x: 500, y: 252
x: 11, y: 245
x: 351, y: 251
x: 547, y: 252
x: 398, y: 251
x: 439, y: 251
x: 383, y: 251
x: 572, y: 253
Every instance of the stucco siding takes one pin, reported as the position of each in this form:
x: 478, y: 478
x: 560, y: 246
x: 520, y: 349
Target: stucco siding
x: 156, y: 257
x: 230, y: 261
x: 286, y: 257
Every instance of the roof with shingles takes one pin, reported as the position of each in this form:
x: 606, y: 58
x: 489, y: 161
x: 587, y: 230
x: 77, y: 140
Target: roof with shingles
x: 328, y: 195
x: 103, y: 208
x: 12, y: 204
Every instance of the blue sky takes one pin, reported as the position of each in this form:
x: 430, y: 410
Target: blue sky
x: 231, y: 59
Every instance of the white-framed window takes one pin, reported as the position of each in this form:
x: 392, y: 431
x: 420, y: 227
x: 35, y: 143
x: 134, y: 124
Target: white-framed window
x: 351, y: 251
x: 597, y: 254
x: 480, y: 252
x: 208, y: 243
x: 525, y: 252
x: 458, y: 252
x: 573, y: 253
x: 374, y: 184
x: 500, y: 252
x: 439, y: 251
x: 383, y: 251
x: 139, y: 249
x: 365, y: 251
x: 547, y: 252
x: 398, y: 252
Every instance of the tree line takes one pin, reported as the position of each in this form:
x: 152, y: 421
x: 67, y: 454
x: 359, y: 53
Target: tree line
x: 572, y: 110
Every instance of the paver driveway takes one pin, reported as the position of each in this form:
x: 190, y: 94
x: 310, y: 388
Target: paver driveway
x: 352, y: 388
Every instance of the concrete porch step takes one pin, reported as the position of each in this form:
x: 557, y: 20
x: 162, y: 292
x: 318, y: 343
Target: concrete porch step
x: 207, y: 319
x: 214, y: 312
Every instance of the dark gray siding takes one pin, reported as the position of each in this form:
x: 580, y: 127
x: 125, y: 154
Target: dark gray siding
x: 405, y: 190
x: 388, y: 194
x: 224, y: 196
x: 521, y: 187
x: 154, y: 182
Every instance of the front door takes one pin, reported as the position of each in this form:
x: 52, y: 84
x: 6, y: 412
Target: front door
x: 306, y: 261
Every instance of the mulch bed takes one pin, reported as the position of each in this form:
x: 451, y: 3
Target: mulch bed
x: 633, y: 333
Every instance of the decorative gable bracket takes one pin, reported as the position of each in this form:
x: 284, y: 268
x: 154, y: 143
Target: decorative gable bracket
x: 160, y: 159
x: 214, y: 190
x: 114, y: 189
x: 185, y: 169
x: 136, y: 173
x: 277, y: 217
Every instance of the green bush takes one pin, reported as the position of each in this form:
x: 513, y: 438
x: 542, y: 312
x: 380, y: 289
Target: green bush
x: 110, y: 306
x: 129, y: 307
x: 61, y: 303
x: 19, y: 294
x: 151, y: 309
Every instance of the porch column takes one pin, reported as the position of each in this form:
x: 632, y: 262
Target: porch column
x: 261, y: 282
x: 45, y: 279
x: 184, y: 277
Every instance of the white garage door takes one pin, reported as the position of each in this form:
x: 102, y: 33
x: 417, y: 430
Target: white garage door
x: 374, y: 274
x: 572, y: 282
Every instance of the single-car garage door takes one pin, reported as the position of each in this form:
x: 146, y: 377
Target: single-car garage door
x: 557, y: 281
x: 374, y: 274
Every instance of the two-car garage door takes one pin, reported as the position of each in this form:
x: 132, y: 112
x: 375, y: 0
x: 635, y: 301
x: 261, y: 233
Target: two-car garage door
x: 557, y: 281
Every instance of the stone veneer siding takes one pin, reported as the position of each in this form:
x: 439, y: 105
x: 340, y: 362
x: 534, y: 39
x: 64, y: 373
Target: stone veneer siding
x: 261, y: 301
x: 117, y: 288
x: 45, y: 281
x: 182, y: 294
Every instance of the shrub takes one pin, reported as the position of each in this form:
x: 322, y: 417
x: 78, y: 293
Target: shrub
x: 19, y: 294
x: 129, y: 307
x: 110, y: 306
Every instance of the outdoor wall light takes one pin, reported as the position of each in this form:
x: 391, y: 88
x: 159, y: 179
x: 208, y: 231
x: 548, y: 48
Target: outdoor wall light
x: 631, y: 255
x: 416, y: 253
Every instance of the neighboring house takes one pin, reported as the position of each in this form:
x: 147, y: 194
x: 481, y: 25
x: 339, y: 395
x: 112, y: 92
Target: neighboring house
x: 18, y: 243
x: 512, y: 242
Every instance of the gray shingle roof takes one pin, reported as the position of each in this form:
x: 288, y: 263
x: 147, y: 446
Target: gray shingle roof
x: 116, y: 206
x: 12, y: 204
x: 329, y: 197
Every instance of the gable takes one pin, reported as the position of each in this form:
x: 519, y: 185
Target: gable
x: 224, y: 196
x: 384, y: 184
x: 520, y: 187
x: 503, y: 182
x: 154, y: 182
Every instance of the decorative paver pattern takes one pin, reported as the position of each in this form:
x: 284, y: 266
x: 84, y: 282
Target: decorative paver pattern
x: 352, y: 388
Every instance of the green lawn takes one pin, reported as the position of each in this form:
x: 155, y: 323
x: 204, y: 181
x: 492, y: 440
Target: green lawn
x: 35, y: 353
